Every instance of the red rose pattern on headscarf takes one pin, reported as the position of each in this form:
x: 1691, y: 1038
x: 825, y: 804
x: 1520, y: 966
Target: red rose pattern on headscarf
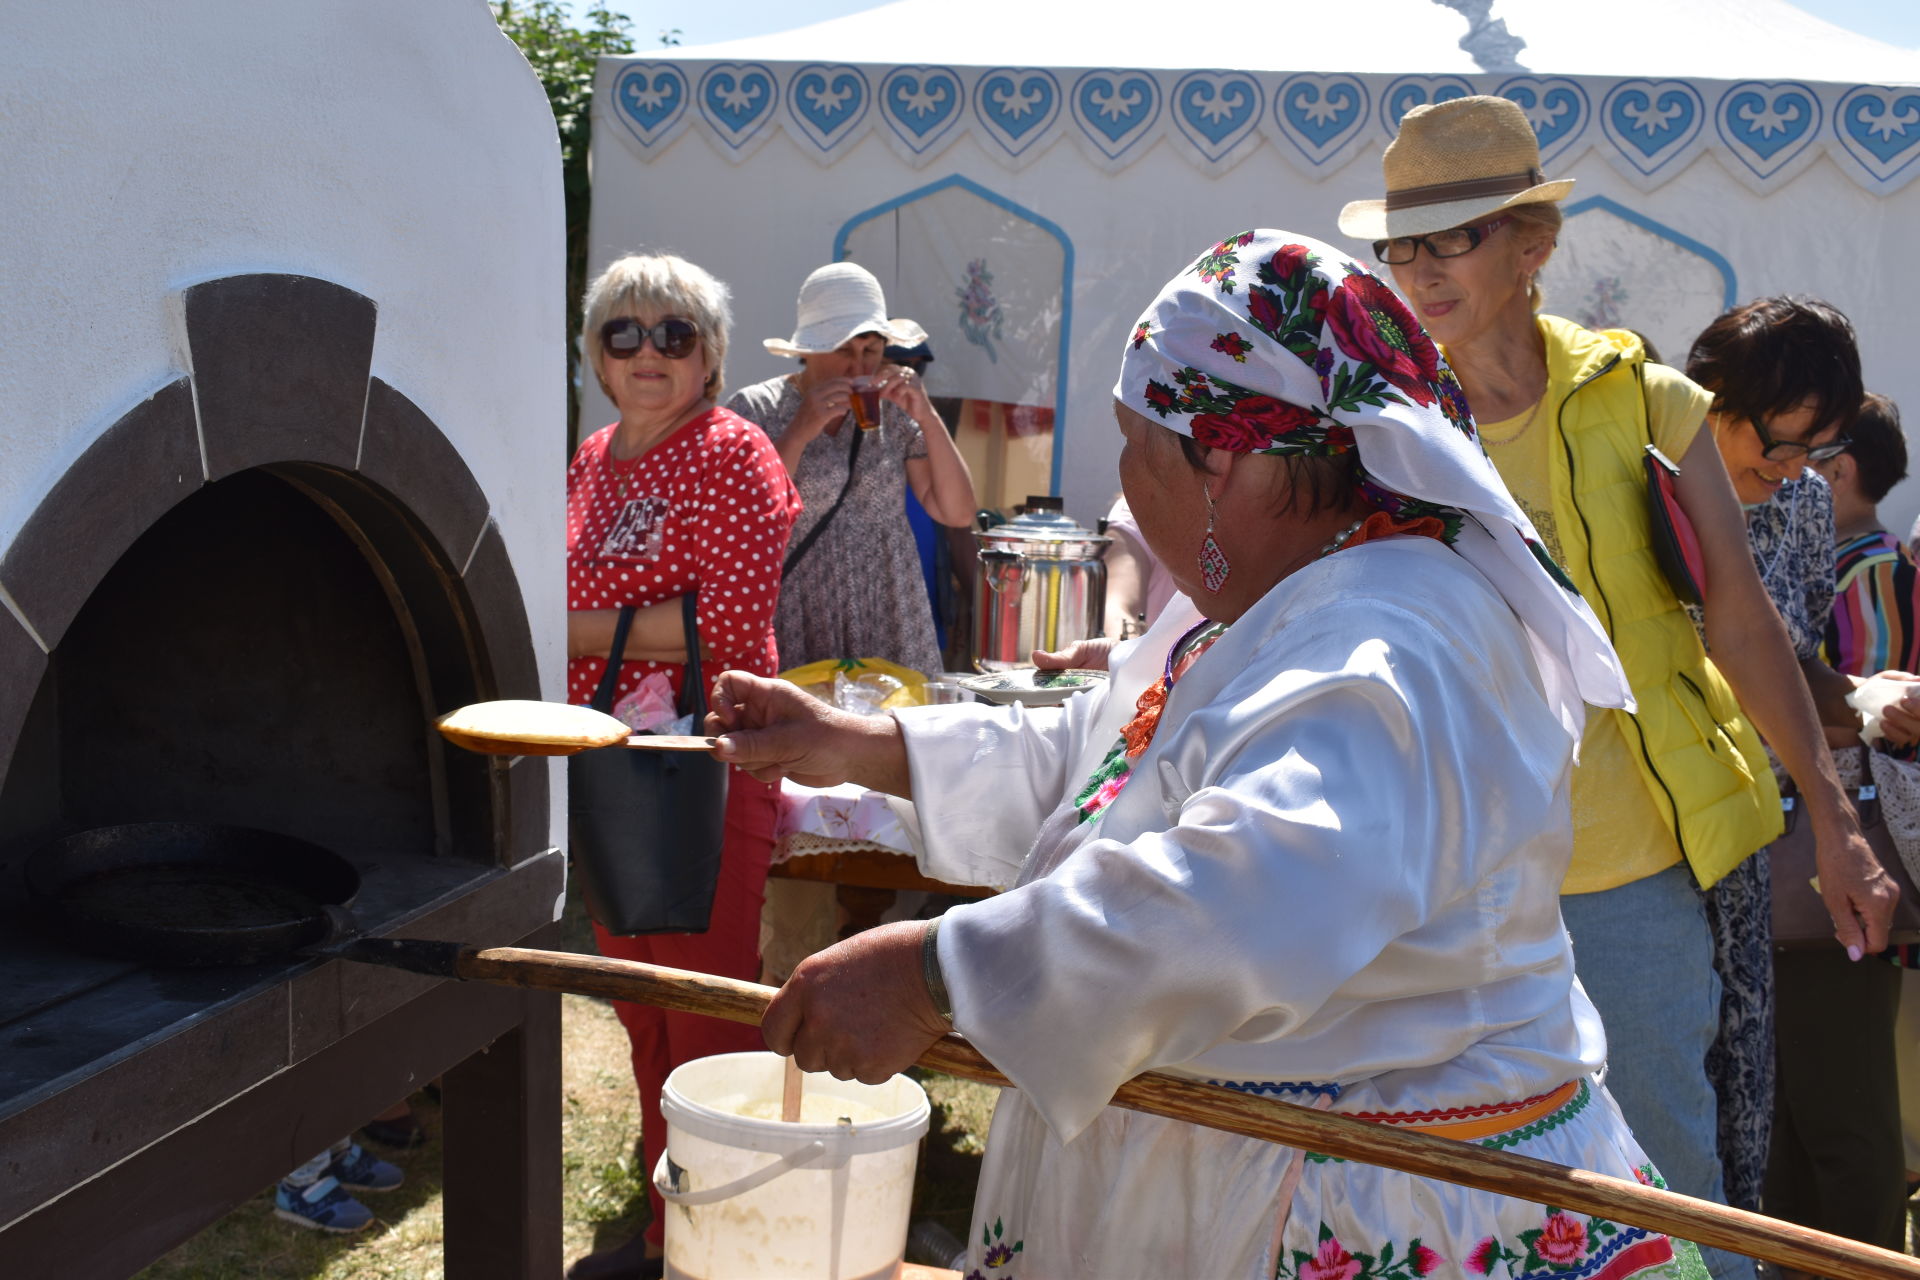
x: 1276, y: 343
x: 1366, y: 318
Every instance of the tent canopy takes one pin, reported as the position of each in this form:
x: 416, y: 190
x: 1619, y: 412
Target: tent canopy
x: 1023, y: 176
x: 1700, y: 39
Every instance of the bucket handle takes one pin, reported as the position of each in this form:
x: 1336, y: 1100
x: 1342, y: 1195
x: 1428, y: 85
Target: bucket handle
x: 794, y: 1159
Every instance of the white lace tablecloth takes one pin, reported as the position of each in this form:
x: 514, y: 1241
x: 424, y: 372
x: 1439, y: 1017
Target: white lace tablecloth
x: 843, y: 819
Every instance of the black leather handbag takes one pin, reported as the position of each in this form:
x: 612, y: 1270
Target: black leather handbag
x: 645, y: 827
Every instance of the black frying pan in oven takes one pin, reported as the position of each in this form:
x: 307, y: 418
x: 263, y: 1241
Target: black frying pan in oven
x: 192, y: 894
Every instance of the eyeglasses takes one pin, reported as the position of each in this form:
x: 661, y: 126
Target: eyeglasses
x: 1450, y: 243
x: 1785, y: 450
x: 673, y: 337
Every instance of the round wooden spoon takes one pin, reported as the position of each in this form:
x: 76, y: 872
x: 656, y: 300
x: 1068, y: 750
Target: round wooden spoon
x: 520, y: 727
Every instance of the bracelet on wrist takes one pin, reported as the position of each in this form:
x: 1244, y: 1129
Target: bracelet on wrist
x: 930, y: 971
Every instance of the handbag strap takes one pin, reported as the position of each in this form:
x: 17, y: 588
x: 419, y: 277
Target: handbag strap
x: 693, y: 684
x: 813, y: 534
x: 610, y: 678
x: 693, y: 687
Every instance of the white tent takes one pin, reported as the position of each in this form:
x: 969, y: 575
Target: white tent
x: 1024, y: 174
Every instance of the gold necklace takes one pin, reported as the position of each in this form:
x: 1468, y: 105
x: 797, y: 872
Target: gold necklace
x: 622, y: 477
x: 1526, y: 426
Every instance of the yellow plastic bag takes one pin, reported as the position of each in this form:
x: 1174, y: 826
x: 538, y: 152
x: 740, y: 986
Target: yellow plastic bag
x: 870, y: 685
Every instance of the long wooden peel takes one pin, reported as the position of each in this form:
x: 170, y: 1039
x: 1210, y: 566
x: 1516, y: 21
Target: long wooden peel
x: 515, y: 727
x: 1194, y: 1102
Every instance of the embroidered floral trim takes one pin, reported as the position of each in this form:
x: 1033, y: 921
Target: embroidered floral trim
x: 1334, y: 1261
x: 1566, y: 1246
x: 998, y: 1254
x: 1116, y: 767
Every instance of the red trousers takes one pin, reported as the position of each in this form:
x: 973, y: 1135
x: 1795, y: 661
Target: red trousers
x: 730, y: 947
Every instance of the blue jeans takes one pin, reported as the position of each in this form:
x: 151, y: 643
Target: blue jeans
x: 1645, y: 956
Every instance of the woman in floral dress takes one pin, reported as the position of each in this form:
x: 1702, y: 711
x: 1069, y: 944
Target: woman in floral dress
x: 1306, y: 842
x: 856, y: 591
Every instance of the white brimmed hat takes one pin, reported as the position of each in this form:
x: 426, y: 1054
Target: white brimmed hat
x: 837, y: 302
x: 1453, y: 163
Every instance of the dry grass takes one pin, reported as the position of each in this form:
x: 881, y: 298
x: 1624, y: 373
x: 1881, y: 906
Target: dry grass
x: 604, y: 1187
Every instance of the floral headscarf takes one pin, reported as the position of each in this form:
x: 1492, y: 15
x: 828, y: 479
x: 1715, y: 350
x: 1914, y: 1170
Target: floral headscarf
x: 1273, y: 343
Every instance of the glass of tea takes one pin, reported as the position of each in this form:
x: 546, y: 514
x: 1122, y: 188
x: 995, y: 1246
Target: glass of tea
x: 865, y: 402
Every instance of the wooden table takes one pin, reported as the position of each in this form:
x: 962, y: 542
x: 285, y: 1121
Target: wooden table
x: 865, y: 876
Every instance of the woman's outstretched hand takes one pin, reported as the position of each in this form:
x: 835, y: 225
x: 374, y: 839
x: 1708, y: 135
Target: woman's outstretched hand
x: 858, y: 1010
x: 772, y: 730
x: 1081, y: 655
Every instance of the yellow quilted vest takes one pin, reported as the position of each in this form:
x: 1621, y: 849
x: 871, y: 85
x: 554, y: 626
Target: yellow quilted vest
x: 1699, y: 757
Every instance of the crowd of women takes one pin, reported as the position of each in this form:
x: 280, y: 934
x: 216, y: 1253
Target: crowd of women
x: 1321, y: 835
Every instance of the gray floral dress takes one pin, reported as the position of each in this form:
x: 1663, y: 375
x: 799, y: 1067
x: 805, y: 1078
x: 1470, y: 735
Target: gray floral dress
x: 857, y: 593
x: 1792, y: 541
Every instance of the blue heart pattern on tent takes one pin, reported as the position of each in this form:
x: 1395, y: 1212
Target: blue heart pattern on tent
x: 1114, y: 108
x: 1220, y: 107
x: 1408, y: 92
x: 1767, y: 125
x: 920, y: 103
x: 827, y: 102
x: 1880, y: 127
x: 1320, y: 108
x: 1652, y: 118
x: 1016, y: 104
x: 1557, y: 110
x: 737, y: 99
x: 650, y: 98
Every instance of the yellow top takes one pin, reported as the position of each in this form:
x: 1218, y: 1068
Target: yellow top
x: 1619, y: 834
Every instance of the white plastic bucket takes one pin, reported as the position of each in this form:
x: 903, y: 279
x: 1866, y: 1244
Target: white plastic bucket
x: 758, y: 1199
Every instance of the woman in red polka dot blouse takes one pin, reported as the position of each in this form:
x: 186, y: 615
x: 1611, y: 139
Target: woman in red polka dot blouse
x: 679, y: 495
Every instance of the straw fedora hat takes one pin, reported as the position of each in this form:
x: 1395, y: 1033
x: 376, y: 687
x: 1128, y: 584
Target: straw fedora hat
x: 1453, y: 163
x: 837, y: 302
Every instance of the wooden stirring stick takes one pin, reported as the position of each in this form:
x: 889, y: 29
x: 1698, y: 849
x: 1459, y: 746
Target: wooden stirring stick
x: 790, y: 1086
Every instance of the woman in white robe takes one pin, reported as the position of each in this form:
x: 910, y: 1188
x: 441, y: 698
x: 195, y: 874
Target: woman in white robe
x: 1307, y: 841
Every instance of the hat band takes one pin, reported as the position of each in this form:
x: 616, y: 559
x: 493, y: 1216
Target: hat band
x: 1471, y: 189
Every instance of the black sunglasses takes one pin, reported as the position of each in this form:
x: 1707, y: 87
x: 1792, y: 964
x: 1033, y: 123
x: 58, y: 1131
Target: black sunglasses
x: 1450, y: 243
x: 1783, y: 450
x: 673, y: 337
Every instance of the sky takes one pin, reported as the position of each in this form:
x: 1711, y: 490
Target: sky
x: 1896, y: 22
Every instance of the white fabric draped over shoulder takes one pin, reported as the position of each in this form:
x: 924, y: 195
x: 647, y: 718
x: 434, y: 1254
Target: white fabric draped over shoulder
x: 1337, y: 862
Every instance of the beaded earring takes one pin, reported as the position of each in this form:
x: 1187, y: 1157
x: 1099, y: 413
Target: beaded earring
x: 1214, y: 567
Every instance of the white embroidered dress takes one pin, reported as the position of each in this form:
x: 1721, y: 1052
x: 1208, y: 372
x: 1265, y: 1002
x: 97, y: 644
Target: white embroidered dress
x: 1332, y: 875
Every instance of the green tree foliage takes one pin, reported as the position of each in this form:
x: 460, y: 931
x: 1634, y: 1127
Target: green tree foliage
x: 563, y: 56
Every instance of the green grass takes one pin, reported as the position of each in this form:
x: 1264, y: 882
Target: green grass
x: 604, y: 1185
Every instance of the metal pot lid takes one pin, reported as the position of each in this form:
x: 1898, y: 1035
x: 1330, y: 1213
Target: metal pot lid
x: 1042, y: 528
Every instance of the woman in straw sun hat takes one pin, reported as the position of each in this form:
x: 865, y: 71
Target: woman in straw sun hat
x: 855, y: 589
x: 1674, y: 798
x: 1305, y: 842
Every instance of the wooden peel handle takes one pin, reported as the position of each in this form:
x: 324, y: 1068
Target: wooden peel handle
x: 1194, y: 1102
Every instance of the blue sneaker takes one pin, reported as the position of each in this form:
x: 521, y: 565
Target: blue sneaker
x: 321, y: 1207
x: 356, y: 1170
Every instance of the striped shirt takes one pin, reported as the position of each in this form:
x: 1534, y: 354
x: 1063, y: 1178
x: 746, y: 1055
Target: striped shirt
x: 1872, y: 625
